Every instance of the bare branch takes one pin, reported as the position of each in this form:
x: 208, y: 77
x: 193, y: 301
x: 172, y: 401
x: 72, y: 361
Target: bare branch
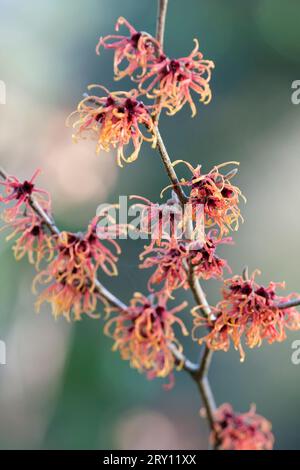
x: 161, y: 20
x: 289, y: 304
x: 169, y: 168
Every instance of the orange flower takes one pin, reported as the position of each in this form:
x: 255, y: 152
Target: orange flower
x: 33, y: 239
x: 247, y: 309
x: 173, y: 80
x: 241, y: 431
x: 169, y: 260
x: 172, y: 258
x: 216, y: 194
x: 67, y: 300
x: 71, y: 275
x: 137, y: 50
x: 116, y: 120
x: 159, y: 221
x: 143, y: 333
x: 18, y: 194
x: 203, y: 258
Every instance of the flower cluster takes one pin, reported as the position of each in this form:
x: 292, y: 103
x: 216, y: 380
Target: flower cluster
x: 171, y: 81
x: 116, y: 120
x: 241, y: 431
x: 17, y: 194
x: 32, y: 239
x: 70, y: 277
x: 172, y: 260
x: 67, y: 262
x: 215, y: 193
x: 159, y: 222
x: 144, y: 332
x: 177, y: 247
x: 30, y: 234
x: 248, y: 310
x: 137, y: 51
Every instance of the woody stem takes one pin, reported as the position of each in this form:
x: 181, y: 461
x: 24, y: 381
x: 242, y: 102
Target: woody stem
x: 161, y: 20
x: 199, y: 374
x: 169, y: 168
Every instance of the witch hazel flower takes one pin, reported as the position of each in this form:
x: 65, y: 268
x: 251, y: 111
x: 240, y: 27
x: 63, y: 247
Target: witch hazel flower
x: 216, y: 194
x: 241, y: 431
x: 71, y: 276
x: 168, y: 259
x: 136, y: 51
x: 117, y: 120
x: 248, y: 310
x: 159, y: 221
x: 172, y: 81
x: 144, y: 332
x: 69, y: 301
x: 17, y: 194
x: 32, y: 238
x: 205, y: 262
x: 172, y: 258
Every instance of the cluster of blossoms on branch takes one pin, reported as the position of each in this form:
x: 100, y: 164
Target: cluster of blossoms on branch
x: 248, y: 310
x: 121, y: 119
x: 69, y: 264
x: 144, y: 332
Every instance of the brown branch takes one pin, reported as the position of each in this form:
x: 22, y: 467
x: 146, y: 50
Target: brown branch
x: 161, y: 20
x: 289, y: 304
x: 169, y: 168
x: 162, y: 7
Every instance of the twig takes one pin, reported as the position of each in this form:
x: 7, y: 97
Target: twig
x: 162, y: 7
x: 289, y: 304
x: 161, y: 20
x: 169, y: 168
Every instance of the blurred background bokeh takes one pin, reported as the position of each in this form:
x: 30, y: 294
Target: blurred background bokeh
x: 62, y: 386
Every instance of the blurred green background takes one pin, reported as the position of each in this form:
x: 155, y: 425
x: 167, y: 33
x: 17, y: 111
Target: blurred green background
x: 62, y: 387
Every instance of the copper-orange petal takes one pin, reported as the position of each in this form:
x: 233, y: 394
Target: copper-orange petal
x: 174, y: 80
x: 143, y: 332
x: 117, y: 120
x: 241, y: 431
x: 69, y: 301
x: 135, y: 52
